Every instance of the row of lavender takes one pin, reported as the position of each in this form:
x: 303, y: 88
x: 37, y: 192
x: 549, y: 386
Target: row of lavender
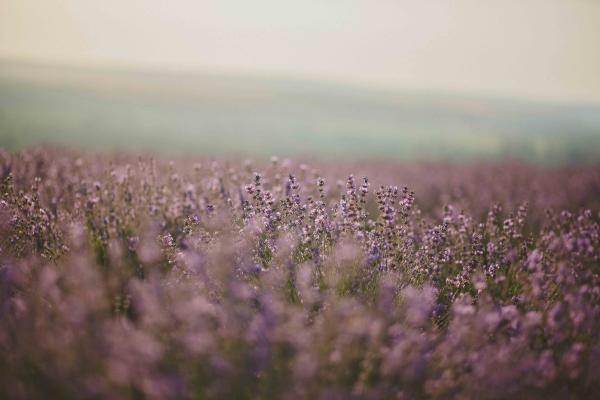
x: 124, y: 277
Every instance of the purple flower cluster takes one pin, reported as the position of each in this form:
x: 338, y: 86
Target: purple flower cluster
x: 124, y: 277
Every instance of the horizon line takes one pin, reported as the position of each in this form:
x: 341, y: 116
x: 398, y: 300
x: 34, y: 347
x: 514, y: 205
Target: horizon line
x: 283, y: 77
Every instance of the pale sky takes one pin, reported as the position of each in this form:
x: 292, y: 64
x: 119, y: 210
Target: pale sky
x: 538, y: 49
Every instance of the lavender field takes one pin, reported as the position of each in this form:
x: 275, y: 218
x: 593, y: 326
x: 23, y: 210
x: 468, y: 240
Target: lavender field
x: 128, y: 277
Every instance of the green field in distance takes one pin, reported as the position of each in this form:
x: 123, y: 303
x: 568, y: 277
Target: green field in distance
x: 260, y: 116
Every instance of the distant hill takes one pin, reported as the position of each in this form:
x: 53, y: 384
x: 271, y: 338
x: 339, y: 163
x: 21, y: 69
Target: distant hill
x: 260, y: 116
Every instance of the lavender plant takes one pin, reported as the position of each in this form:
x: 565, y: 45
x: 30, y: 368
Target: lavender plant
x: 125, y: 277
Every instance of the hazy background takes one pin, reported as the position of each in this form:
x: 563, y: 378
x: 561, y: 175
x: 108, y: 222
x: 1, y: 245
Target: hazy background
x: 402, y: 79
